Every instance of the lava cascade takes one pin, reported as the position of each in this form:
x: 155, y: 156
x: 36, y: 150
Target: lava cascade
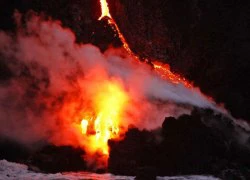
x: 107, y: 121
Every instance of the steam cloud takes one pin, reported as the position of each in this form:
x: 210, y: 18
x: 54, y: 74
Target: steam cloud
x: 53, y: 79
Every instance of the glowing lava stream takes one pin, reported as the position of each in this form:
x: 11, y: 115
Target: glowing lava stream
x: 105, y: 9
x: 111, y: 21
x: 162, y: 69
x: 109, y: 104
x: 103, y: 124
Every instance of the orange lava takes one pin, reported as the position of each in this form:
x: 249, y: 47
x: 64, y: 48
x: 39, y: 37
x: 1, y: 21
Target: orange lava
x: 160, y: 68
x: 125, y: 45
x: 104, y: 122
x: 164, y: 71
x: 105, y: 9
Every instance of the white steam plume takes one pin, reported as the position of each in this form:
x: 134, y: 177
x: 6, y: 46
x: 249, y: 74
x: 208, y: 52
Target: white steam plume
x: 52, y: 77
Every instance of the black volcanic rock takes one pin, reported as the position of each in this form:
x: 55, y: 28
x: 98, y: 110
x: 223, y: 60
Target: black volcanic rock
x: 43, y: 158
x: 191, y: 144
x: 12, y: 150
x: 54, y: 159
x: 189, y: 147
x: 132, y: 153
x: 146, y: 173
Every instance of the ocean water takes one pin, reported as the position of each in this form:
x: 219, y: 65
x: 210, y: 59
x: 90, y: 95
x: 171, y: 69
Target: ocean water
x: 15, y: 171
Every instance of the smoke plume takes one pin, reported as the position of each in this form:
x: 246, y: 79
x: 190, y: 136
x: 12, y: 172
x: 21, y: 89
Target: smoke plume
x: 53, y: 81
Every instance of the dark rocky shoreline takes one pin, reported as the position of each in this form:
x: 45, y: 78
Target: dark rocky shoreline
x: 191, y: 144
x: 187, y: 146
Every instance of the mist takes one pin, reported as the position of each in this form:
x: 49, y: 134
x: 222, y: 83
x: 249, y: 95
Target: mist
x: 53, y: 81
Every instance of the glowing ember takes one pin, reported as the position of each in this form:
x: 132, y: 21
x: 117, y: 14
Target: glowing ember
x: 164, y: 71
x: 109, y: 105
x: 112, y: 23
x: 105, y: 9
x: 123, y: 40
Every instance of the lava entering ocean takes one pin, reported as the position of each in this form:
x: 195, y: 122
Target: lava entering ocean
x: 73, y: 94
x: 109, y: 105
x: 107, y: 121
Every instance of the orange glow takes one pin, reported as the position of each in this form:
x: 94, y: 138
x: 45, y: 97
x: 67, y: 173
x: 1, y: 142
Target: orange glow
x: 164, y: 71
x: 105, y: 9
x: 109, y: 105
x: 103, y: 120
x: 160, y: 68
x: 105, y: 13
x: 84, y: 126
x: 122, y: 38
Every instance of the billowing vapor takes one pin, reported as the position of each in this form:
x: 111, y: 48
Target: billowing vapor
x: 54, y: 81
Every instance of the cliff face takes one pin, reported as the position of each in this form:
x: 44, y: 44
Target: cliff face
x: 206, y: 41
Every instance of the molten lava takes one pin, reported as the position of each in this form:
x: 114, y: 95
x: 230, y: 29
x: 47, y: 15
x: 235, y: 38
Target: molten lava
x: 164, y: 71
x: 105, y: 9
x: 114, y: 26
x: 109, y: 104
x: 104, y: 120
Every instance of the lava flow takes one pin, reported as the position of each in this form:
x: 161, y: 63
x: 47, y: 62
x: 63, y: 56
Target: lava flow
x: 105, y: 122
x: 114, y: 26
x: 164, y: 71
x: 105, y: 9
x: 160, y: 68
